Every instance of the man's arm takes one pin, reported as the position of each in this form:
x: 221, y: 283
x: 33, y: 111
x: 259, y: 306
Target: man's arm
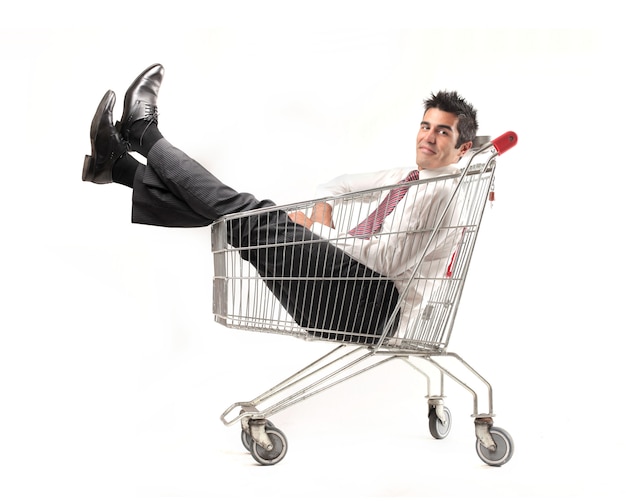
x: 346, y: 183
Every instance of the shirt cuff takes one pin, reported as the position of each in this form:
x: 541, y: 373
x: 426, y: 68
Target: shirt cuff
x: 324, y: 231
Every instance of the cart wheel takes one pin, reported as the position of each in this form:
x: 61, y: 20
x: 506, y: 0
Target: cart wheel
x: 246, y: 439
x: 504, y: 448
x: 279, y: 448
x: 439, y: 429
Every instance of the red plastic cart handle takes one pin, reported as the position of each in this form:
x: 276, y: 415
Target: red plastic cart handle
x: 505, y: 142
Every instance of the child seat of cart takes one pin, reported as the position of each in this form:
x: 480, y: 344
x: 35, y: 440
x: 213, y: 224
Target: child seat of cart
x: 424, y: 329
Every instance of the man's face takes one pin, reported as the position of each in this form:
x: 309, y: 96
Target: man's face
x: 436, y: 140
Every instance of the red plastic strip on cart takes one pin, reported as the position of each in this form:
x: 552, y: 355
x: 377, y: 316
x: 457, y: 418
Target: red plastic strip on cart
x: 453, y: 257
x: 505, y: 142
x: 450, y: 265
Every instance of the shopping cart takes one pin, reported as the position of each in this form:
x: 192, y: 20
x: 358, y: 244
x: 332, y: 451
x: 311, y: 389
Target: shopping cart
x: 413, y: 325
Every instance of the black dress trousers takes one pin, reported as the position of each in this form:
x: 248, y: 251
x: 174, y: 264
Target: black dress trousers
x: 326, y: 291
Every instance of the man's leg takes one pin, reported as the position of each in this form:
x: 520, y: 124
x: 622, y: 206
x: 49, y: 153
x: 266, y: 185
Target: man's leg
x: 324, y: 289
x: 172, y: 182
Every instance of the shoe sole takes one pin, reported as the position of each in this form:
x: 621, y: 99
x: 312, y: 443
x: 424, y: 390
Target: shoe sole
x: 88, y: 170
x: 108, y: 100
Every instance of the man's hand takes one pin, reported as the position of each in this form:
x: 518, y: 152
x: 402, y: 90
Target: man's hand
x: 300, y: 218
x: 321, y: 213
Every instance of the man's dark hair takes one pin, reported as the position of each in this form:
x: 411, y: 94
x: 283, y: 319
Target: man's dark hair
x: 451, y: 102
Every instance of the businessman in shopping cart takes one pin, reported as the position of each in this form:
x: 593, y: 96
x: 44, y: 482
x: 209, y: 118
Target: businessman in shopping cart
x: 303, y: 270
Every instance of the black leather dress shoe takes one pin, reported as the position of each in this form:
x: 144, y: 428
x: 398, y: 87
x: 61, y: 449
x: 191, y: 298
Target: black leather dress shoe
x: 106, y: 143
x: 140, y: 101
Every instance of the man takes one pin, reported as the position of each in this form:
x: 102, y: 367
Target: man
x: 446, y: 133
x: 309, y: 275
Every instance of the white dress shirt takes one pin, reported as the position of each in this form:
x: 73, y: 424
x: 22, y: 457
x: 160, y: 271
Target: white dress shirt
x: 395, y: 250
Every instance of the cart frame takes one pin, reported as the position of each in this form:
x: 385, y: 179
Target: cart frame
x: 422, y: 345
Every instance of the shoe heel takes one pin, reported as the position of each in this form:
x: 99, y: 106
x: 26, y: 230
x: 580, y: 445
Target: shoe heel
x: 88, y: 171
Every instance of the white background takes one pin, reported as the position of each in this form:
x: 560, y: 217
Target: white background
x: 112, y: 373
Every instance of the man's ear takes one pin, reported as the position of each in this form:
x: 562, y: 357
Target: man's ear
x: 465, y: 147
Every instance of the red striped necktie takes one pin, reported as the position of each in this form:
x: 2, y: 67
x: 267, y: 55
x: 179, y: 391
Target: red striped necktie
x: 374, y: 222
